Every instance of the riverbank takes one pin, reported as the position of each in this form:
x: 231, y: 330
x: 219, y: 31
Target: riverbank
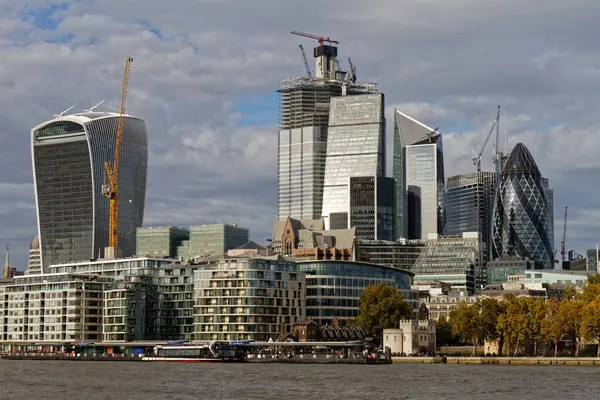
x: 586, y: 361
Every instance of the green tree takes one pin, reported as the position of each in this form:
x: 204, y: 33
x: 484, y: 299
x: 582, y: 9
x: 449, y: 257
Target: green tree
x: 553, y: 325
x: 490, y: 312
x: 443, y: 334
x: 590, y: 321
x: 382, y: 307
x: 571, y: 316
x: 535, y: 311
x: 466, y: 323
x: 592, y: 288
x: 513, y: 323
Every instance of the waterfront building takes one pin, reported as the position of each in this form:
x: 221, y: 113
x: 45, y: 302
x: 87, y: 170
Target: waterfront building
x: 372, y: 210
x: 400, y: 254
x: 439, y: 305
x: 216, y: 239
x: 247, y: 298
x: 308, y: 240
x: 418, y: 162
x: 49, y: 307
x: 452, y: 260
x: 34, y: 265
x: 501, y: 268
x: 111, y: 267
x: 412, y: 337
x: 355, y: 147
x: 333, y: 288
x: 68, y: 156
x: 469, y: 205
x: 521, y: 214
x: 161, y: 241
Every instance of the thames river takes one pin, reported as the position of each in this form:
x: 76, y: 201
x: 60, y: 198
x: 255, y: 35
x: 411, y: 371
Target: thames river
x: 129, y: 380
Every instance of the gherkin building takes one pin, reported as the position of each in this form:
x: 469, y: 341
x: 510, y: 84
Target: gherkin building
x: 521, y: 212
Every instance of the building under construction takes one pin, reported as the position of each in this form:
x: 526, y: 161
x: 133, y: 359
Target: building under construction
x: 303, y: 124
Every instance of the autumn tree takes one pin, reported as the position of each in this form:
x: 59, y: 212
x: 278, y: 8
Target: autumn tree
x: 382, y: 307
x: 590, y: 321
x: 553, y: 325
x: 513, y: 323
x: 466, y: 323
x: 571, y: 315
x: 535, y: 312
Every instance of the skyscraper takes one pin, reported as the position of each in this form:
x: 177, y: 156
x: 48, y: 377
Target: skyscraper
x: 550, y: 197
x: 372, y: 209
x: 355, y: 147
x: 418, y: 163
x: 68, y: 155
x: 521, y: 213
x: 469, y: 205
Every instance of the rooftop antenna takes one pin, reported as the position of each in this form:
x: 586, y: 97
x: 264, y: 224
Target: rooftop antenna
x: 62, y: 113
x: 94, y: 107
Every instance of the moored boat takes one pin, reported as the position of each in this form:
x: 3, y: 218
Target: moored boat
x: 203, y: 353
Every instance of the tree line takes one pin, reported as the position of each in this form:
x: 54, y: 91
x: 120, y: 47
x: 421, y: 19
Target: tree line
x: 525, y: 322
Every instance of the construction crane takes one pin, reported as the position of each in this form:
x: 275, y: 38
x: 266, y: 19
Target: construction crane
x: 305, y: 61
x: 352, y: 70
x: 110, y: 187
x: 563, y: 243
x: 477, y: 155
x: 320, y: 39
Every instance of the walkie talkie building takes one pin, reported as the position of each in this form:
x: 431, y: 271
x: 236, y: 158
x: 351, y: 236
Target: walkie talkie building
x: 521, y: 212
x: 68, y: 155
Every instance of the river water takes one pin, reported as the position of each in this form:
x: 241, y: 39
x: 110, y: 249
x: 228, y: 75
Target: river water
x: 127, y: 380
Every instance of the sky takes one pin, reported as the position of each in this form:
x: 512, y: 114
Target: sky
x: 206, y: 72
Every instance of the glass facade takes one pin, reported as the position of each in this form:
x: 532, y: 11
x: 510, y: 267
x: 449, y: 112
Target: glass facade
x: 68, y: 164
x: 550, y: 198
x: 398, y: 254
x: 372, y: 209
x: 521, y: 211
x: 592, y: 260
x: 469, y: 205
x: 500, y: 269
x: 303, y: 120
x: 418, y: 162
x: 355, y: 147
x: 333, y: 288
x: 162, y: 241
x: 216, y: 239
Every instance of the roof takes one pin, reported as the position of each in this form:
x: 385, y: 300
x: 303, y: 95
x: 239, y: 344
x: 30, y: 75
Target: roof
x: 520, y: 160
x: 250, y: 245
x: 413, y: 131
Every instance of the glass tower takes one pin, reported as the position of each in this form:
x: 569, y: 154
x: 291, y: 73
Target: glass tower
x: 372, y: 207
x: 550, y: 198
x: 521, y: 213
x: 355, y: 147
x: 418, y: 168
x: 469, y: 205
x: 68, y: 155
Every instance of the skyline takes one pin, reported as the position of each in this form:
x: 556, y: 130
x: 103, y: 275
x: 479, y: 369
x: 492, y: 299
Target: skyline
x: 211, y: 110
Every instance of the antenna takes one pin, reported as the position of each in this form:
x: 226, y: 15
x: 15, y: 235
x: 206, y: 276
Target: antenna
x: 62, y: 113
x: 97, y: 105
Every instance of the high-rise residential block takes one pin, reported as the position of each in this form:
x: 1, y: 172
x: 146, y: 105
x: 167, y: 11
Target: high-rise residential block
x: 418, y: 162
x: 521, y: 213
x: 355, y: 147
x: 469, y: 205
x: 372, y: 209
x: 216, y: 239
x: 161, y: 241
x: 68, y: 155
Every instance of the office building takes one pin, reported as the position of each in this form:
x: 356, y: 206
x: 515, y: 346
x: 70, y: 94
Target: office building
x: 592, y: 260
x: 161, y: 241
x: 501, y: 268
x: 68, y: 155
x: 452, y: 260
x: 333, y: 288
x: 216, y: 239
x: 34, y: 265
x: 418, y: 162
x: 355, y: 147
x: 521, y: 214
x: 245, y: 298
x: 469, y: 205
x: 304, y: 105
x: 400, y: 254
x: 550, y: 224
x: 372, y: 209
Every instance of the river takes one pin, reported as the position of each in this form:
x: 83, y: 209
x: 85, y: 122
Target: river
x: 125, y: 380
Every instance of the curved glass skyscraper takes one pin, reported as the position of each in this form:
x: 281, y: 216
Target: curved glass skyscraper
x: 68, y: 156
x: 521, y: 213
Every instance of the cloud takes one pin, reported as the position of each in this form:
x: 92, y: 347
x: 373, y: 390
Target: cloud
x: 205, y: 75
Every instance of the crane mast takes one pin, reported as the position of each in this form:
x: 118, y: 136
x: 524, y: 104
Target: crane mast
x: 110, y: 188
x: 305, y: 61
x: 477, y: 155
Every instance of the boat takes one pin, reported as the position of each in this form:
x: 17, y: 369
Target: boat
x: 204, y: 353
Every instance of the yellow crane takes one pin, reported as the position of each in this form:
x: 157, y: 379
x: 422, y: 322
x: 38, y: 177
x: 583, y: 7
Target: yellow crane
x: 110, y: 188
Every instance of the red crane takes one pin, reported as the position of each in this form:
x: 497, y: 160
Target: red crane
x: 320, y: 39
x: 563, y: 243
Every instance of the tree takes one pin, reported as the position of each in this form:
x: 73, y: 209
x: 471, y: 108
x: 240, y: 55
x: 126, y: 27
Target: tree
x: 491, y: 310
x: 553, y: 326
x: 590, y: 322
x: 443, y: 334
x: 466, y: 323
x: 592, y: 288
x: 513, y: 323
x: 535, y: 311
x: 382, y: 307
x: 571, y: 316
